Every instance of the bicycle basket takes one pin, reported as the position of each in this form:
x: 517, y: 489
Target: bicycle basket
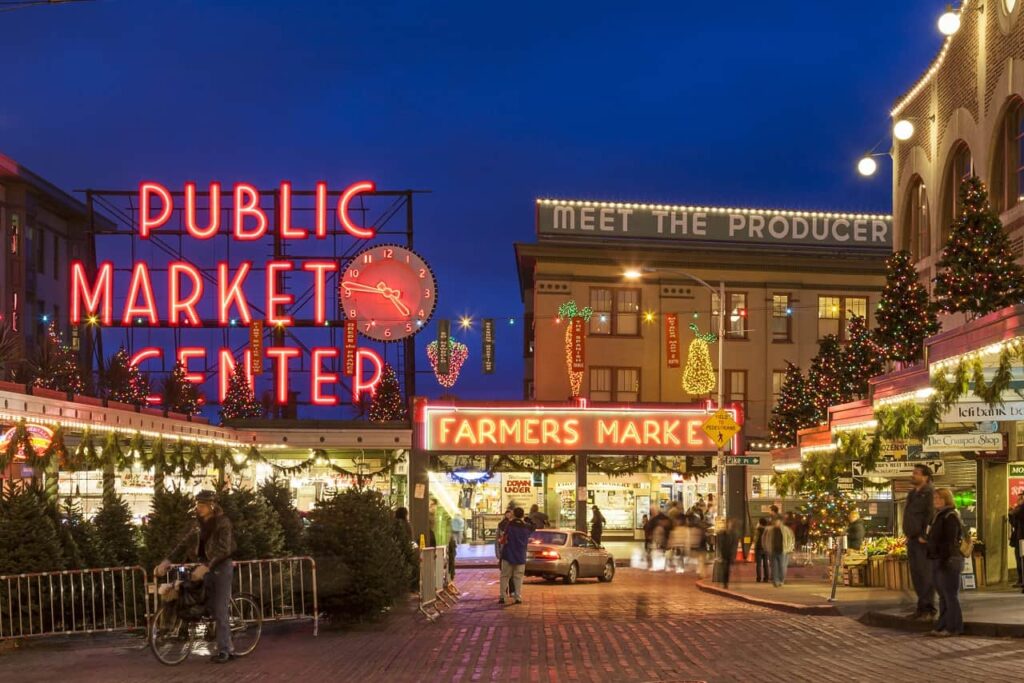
x: 191, y: 600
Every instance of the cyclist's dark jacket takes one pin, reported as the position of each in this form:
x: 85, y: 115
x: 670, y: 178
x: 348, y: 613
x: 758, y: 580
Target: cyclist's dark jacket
x: 213, y: 536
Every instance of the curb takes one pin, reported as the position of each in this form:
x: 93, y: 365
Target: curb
x: 825, y: 610
x: 971, y: 628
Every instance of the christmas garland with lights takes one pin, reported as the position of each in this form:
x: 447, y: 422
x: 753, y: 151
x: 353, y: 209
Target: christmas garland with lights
x: 457, y: 355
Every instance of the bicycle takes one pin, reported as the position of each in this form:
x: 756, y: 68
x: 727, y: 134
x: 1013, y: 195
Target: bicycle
x: 180, y: 624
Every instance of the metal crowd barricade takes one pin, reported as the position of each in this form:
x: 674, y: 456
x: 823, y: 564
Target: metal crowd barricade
x: 437, y: 590
x: 73, y: 601
x: 283, y: 587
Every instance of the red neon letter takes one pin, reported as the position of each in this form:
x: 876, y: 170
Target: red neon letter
x: 274, y: 298
x: 247, y: 203
x: 140, y: 285
x: 190, y: 212
x: 359, y: 385
x: 184, y: 354
x: 147, y: 222
x: 319, y: 377
x: 226, y: 368
x: 145, y: 354
x: 321, y: 210
x: 285, y: 219
x: 97, y: 298
x: 282, y: 354
x: 231, y: 291
x: 346, y: 222
x: 176, y: 304
x: 320, y: 270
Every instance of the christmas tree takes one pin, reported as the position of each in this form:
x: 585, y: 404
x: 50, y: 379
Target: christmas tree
x: 826, y: 378
x: 254, y: 523
x: 115, y: 531
x: 82, y: 548
x: 278, y: 495
x: 10, y: 349
x: 123, y: 382
x: 387, y: 404
x: 977, y: 273
x: 55, y: 365
x: 905, y: 316
x: 699, y: 375
x: 795, y: 408
x: 828, y: 514
x: 170, y: 519
x: 864, y: 358
x: 28, y: 536
x: 240, y: 402
x: 180, y: 395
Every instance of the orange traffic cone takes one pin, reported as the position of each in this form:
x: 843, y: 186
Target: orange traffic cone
x: 739, y: 554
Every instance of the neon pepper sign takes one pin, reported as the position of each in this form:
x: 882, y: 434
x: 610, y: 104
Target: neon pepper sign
x: 92, y: 293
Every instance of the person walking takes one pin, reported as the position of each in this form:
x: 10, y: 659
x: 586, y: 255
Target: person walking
x: 760, y: 554
x: 778, y: 541
x: 726, y: 541
x: 855, y: 532
x: 597, y: 525
x: 917, y: 513
x: 458, y: 527
x: 943, y: 549
x: 513, y: 557
x: 1016, y: 519
x: 539, y: 519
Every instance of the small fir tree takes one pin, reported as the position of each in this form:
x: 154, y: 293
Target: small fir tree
x: 387, y: 404
x: 977, y: 273
x: 795, y: 409
x: 80, y: 538
x: 255, y: 525
x: 180, y: 395
x: 278, y: 495
x: 56, y: 365
x: 170, y: 519
x: 905, y: 316
x: 864, y: 358
x: 240, y: 401
x: 123, y: 381
x: 826, y: 378
x: 28, y: 537
x: 115, y: 532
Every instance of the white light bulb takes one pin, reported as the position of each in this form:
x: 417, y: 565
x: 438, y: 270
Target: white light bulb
x: 867, y: 166
x: 949, y: 22
x: 903, y: 130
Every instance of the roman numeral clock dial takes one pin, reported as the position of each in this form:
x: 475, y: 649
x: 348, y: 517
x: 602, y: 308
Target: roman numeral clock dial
x: 389, y: 291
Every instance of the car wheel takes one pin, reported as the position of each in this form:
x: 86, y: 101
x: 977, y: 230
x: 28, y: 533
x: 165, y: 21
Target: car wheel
x: 573, y: 574
x: 609, y: 572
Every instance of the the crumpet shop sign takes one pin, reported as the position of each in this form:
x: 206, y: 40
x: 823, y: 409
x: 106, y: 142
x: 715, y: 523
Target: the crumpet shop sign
x: 564, y: 218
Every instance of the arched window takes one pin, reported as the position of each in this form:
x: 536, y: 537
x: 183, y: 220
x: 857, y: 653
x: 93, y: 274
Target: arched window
x: 916, y: 224
x: 959, y: 167
x: 1008, y: 160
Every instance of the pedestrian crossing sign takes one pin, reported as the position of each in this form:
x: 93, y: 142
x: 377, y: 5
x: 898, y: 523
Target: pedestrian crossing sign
x: 720, y: 428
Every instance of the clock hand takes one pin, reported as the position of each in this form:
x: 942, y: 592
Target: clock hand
x: 393, y: 295
x: 359, y: 287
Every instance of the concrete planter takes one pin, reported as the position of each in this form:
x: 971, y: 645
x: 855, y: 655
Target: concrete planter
x: 50, y: 393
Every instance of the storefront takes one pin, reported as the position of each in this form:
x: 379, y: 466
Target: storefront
x: 477, y: 460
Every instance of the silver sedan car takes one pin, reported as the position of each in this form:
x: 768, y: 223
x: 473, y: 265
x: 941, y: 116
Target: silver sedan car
x: 568, y: 554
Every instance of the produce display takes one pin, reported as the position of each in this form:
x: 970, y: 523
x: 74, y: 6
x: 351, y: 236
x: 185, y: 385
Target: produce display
x: 886, y: 546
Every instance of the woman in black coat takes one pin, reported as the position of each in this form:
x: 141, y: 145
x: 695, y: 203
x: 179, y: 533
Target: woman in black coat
x: 597, y: 525
x: 944, y: 535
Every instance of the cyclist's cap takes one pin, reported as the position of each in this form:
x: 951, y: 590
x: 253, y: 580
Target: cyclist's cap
x: 206, y: 496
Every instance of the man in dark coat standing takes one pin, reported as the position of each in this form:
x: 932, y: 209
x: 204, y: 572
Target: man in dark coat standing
x: 1016, y: 519
x: 513, y: 556
x: 917, y: 515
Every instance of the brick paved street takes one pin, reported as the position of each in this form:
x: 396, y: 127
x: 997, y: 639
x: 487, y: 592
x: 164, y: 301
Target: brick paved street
x: 642, y: 627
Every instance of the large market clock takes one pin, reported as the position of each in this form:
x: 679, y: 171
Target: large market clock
x: 389, y: 291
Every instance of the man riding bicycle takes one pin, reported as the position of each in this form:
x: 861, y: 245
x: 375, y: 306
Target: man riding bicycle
x: 211, y: 543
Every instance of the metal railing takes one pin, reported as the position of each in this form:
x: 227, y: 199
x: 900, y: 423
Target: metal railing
x: 437, y: 590
x: 73, y: 601
x: 283, y: 587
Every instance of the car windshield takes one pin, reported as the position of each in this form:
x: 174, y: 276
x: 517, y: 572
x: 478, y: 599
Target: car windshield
x: 548, y: 538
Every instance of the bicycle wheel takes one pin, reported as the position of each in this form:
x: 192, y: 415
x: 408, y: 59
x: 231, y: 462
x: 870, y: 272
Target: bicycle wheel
x: 246, y: 624
x: 170, y: 636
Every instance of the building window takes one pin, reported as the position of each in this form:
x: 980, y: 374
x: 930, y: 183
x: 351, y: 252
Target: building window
x: 916, y: 224
x: 782, y: 318
x: 960, y: 167
x: 735, y: 314
x: 778, y: 379
x: 761, y: 486
x: 40, y: 244
x: 736, y: 387
x: 528, y: 389
x: 835, y: 312
x: 56, y: 257
x: 15, y: 234
x: 621, y: 385
x: 528, y: 333
x: 615, y: 311
x: 1008, y: 161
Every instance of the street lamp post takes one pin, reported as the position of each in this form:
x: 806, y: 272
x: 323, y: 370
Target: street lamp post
x: 636, y: 275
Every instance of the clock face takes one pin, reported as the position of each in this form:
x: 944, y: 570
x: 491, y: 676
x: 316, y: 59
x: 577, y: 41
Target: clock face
x: 389, y: 291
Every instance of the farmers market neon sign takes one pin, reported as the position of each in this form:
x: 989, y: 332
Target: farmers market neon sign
x: 245, y: 220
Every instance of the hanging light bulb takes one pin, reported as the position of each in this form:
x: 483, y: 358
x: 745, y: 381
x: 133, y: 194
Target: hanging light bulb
x: 949, y: 22
x: 867, y: 166
x: 903, y: 130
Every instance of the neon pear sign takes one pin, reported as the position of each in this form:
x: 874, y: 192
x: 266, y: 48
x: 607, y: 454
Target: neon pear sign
x: 236, y: 211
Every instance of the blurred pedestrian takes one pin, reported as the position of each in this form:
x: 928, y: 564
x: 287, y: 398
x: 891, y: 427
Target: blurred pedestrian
x: 943, y: 548
x: 402, y: 518
x: 726, y: 542
x: 513, y: 557
x: 698, y: 543
x: 760, y: 554
x: 539, y: 519
x: 779, y: 541
x: 1016, y: 519
x: 917, y: 513
x: 597, y: 522
x: 855, y: 531
x: 458, y: 527
x: 774, y: 511
x: 500, y: 540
